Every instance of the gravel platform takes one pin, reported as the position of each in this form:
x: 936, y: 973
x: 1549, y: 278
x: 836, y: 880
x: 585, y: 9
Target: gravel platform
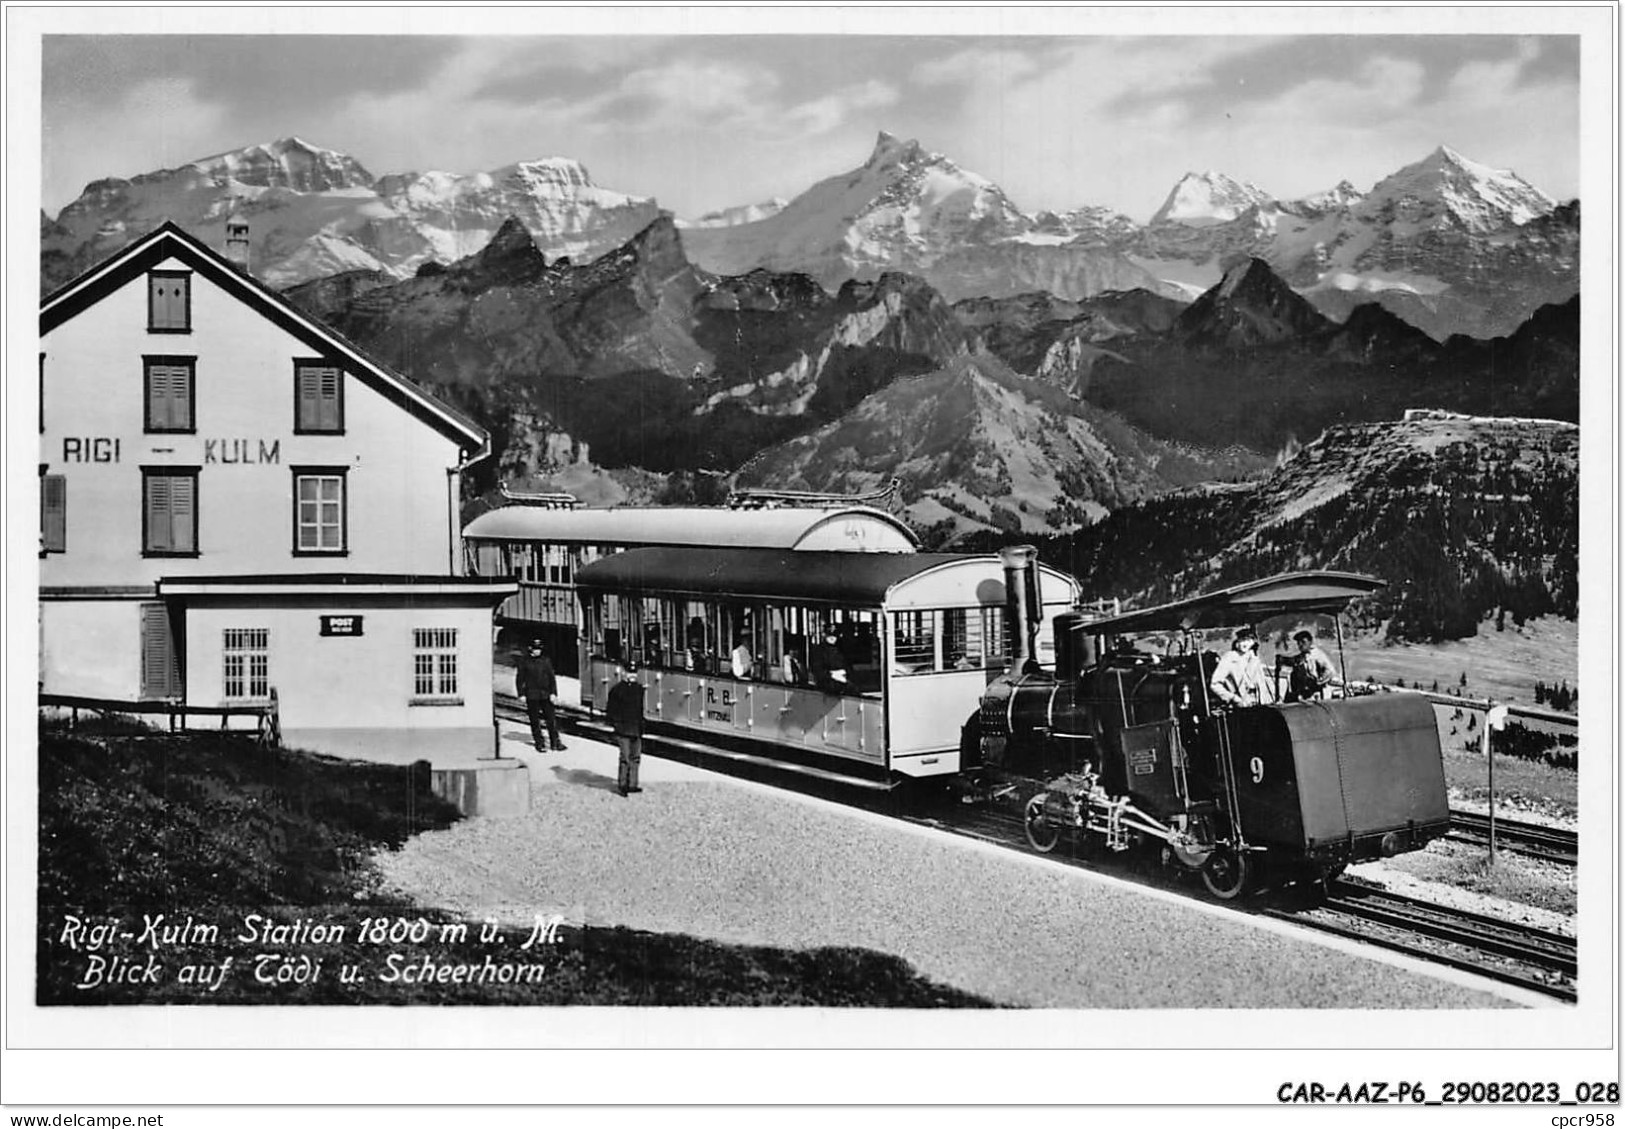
x: 705, y: 855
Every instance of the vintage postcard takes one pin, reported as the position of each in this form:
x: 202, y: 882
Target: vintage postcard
x: 835, y: 554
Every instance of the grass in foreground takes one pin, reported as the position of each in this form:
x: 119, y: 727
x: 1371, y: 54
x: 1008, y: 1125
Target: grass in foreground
x: 200, y: 869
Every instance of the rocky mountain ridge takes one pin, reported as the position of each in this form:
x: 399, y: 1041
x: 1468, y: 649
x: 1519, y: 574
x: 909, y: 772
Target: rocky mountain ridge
x: 640, y: 363
x: 1252, y: 363
x: 1463, y: 516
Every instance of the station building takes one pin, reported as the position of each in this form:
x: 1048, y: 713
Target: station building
x: 235, y: 502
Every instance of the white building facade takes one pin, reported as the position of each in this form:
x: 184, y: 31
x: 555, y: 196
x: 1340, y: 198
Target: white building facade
x: 236, y: 501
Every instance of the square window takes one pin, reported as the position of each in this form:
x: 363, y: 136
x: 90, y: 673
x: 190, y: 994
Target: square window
x: 171, y: 384
x: 318, y: 398
x: 434, y: 665
x: 246, y: 661
x: 169, y: 511
x: 169, y: 301
x: 318, y: 510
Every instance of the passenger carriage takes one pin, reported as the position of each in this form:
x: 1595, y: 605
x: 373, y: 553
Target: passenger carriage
x: 544, y: 547
x: 921, y: 635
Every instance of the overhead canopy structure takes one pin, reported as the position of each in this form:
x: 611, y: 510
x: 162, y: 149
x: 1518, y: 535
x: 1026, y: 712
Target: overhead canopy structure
x: 855, y: 579
x: 1290, y: 593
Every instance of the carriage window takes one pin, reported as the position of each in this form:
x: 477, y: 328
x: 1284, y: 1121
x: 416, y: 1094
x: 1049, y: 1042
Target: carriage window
x: 914, y: 644
x: 794, y: 658
x: 592, y: 611
x: 670, y: 613
x: 555, y: 565
x: 965, y: 644
x: 994, y: 637
x: 696, y: 639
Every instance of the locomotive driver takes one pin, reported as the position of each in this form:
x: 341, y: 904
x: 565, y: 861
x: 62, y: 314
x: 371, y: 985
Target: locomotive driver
x: 1311, y: 672
x: 1240, y: 679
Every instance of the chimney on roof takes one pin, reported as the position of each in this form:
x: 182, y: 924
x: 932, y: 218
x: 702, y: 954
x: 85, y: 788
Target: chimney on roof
x: 237, y: 242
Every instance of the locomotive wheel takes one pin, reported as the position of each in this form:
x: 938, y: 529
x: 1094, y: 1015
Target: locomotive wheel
x: 1041, y: 833
x: 1227, y: 874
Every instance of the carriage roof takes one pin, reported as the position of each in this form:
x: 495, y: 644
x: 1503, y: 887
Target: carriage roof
x: 785, y: 527
x: 1291, y: 593
x: 804, y: 576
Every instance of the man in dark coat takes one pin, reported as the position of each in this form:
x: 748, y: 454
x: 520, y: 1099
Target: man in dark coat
x: 536, y: 683
x: 625, y: 712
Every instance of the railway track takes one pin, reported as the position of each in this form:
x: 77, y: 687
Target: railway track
x: 1531, y: 958
x: 1552, y: 844
x: 1522, y: 955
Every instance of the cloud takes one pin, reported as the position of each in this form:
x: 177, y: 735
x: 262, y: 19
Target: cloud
x: 158, y: 123
x: 823, y: 115
x: 964, y: 68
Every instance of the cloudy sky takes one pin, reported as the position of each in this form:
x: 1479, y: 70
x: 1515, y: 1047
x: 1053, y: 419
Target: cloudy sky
x: 704, y: 121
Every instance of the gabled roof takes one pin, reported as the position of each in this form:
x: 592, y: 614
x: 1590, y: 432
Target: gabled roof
x: 782, y: 528
x: 1290, y: 593
x: 169, y: 241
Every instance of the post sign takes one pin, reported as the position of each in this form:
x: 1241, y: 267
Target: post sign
x: 341, y: 625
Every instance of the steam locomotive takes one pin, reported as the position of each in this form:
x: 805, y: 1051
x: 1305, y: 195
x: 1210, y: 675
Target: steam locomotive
x: 1129, y: 750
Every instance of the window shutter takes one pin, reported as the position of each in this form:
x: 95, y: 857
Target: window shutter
x: 309, y: 402
x: 180, y: 396
x: 157, y: 397
x: 54, y: 513
x: 160, y: 672
x: 328, y: 415
x: 183, y: 514
x: 167, y: 298
x: 318, y: 392
x: 169, y: 389
x: 158, y: 523
x: 171, y: 513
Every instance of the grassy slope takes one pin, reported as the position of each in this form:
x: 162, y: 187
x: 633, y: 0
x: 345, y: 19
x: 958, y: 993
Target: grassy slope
x: 209, y: 829
x: 1503, y: 665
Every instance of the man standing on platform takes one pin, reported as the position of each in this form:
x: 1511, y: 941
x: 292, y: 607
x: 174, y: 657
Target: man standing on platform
x: 535, y: 682
x: 625, y: 712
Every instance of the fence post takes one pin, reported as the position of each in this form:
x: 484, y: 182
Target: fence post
x: 1494, y: 718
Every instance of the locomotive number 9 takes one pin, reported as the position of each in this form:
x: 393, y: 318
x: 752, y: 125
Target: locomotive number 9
x: 1257, y: 765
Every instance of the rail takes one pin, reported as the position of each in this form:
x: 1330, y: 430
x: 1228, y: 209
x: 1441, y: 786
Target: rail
x: 746, y: 498
x: 267, y: 716
x: 1483, y: 705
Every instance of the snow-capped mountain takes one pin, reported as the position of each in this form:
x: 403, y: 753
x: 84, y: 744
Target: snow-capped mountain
x: 1206, y: 198
x: 555, y: 198
x: 1447, y: 243
x: 743, y: 213
x: 1318, y: 203
x: 1446, y: 190
x: 285, y: 163
x: 314, y: 212
x: 907, y: 209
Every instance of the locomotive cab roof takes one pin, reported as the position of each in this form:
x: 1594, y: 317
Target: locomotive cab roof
x: 1317, y: 592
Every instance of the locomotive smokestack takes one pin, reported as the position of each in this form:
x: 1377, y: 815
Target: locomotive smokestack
x: 1022, y: 606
